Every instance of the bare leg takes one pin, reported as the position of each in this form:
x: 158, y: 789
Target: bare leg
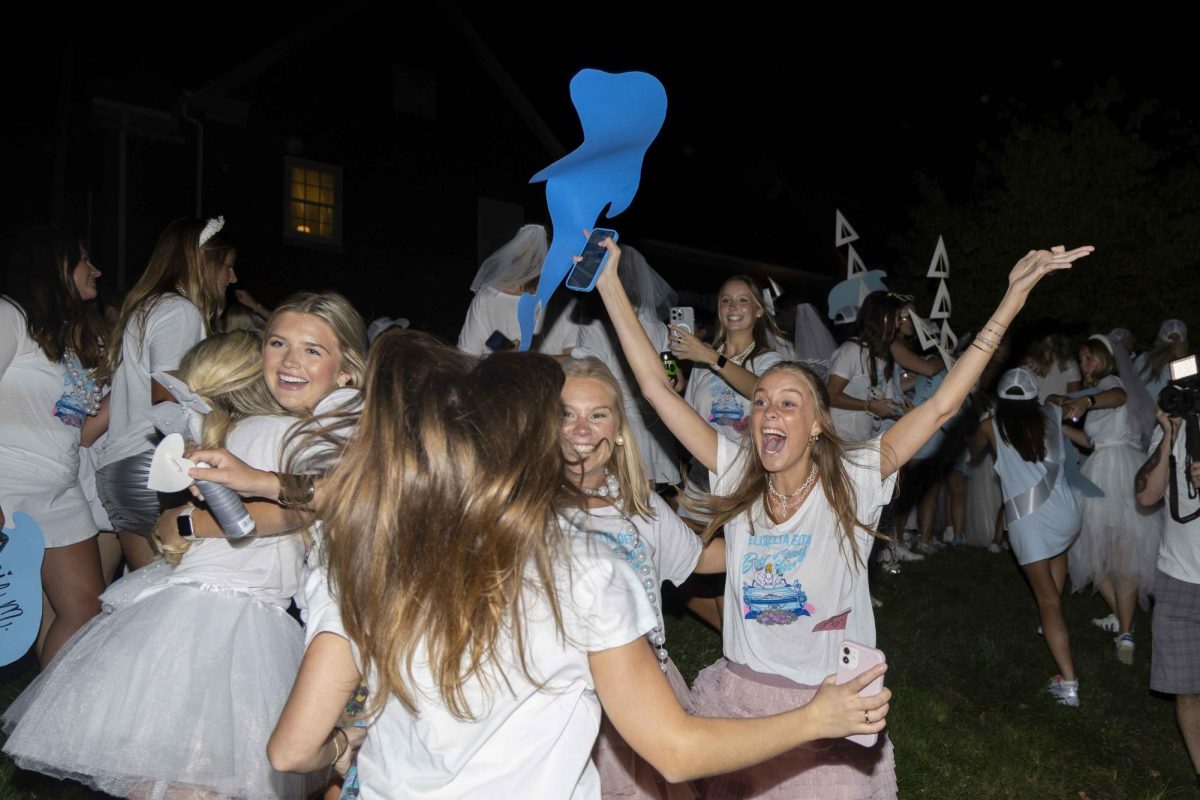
x: 1106, y: 591
x: 1187, y: 712
x: 926, y: 510
x: 1126, y: 589
x: 1049, y: 601
x: 1058, y: 571
x: 73, y: 583
x: 110, y: 555
x: 138, y: 552
x: 956, y: 488
x: 998, y: 536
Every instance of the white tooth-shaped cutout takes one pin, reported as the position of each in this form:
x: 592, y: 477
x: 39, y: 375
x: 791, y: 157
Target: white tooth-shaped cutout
x: 168, y: 470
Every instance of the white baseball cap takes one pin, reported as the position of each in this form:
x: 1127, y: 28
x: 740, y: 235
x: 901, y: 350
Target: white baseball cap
x: 1017, y: 384
x: 382, y: 324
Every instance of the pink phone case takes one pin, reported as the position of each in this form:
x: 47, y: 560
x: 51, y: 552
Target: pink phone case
x: 853, y: 660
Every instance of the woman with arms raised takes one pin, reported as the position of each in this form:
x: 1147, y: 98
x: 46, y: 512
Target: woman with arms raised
x: 799, y: 509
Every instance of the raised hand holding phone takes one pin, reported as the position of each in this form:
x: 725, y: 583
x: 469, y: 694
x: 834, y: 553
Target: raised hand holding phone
x: 590, y: 261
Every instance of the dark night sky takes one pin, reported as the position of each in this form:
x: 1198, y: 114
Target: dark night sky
x: 773, y: 122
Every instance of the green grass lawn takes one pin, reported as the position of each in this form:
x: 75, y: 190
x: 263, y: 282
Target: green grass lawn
x: 970, y: 718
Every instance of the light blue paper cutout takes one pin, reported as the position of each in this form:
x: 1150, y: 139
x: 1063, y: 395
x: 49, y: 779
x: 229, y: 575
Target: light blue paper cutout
x: 621, y: 115
x: 850, y: 292
x: 21, y: 555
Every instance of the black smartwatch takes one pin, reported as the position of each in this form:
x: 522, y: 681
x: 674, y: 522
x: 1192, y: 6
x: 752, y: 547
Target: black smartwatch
x: 183, y: 523
x: 721, y: 361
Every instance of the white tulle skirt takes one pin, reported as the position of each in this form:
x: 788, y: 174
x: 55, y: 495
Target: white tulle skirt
x: 1119, y: 538
x: 173, y: 692
x: 984, y: 499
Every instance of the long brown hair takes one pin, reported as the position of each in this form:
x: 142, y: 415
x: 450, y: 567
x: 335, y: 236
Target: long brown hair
x: 1023, y: 425
x: 626, y: 460
x: 40, y: 282
x: 181, y: 266
x: 440, y: 514
x: 828, y: 452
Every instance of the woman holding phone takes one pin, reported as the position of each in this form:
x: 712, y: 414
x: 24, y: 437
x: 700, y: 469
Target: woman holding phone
x: 799, y: 508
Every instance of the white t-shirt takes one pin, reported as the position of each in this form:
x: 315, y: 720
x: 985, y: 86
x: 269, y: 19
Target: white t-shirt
x: 492, y: 310
x: 727, y: 411
x: 654, y: 441
x: 30, y: 386
x: 793, y: 592
x: 173, y: 327
x: 671, y: 549
x: 850, y: 362
x: 1179, y: 552
x: 531, y: 740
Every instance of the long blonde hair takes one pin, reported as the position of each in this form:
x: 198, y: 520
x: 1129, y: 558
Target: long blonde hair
x: 626, y: 459
x: 181, y: 266
x: 226, y: 370
x: 346, y: 323
x: 440, y: 515
x: 828, y: 452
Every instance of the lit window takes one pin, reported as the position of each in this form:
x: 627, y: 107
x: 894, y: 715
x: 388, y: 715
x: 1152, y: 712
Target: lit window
x: 313, y: 208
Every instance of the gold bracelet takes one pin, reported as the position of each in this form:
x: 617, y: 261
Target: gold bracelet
x: 338, y: 751
x: 981, y: 347
x: 295, y: 491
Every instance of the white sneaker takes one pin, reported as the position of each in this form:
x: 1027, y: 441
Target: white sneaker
x: 993, y: 548
x: 1108, y: 623
x: 904, y: 554
x: 1066, y: 692
x: 1124, y: 648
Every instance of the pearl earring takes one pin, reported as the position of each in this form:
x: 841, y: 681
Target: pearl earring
x: 620, y: 441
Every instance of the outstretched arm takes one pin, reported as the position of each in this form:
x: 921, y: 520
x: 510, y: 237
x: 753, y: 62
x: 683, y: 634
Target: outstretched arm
x: 905, y: 438
x: 639, y: 702
x: 689, y: 427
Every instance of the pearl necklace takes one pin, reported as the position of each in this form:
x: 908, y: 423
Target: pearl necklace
x: 610, y: 489
x: 635, y: 555
x: 740, y: 357
x: 795, y: 498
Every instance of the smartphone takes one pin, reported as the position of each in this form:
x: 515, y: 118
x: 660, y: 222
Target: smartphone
x: 498, y: 342
x: 1183, y: 368
x: 684, y: 317
x: 853, y: 660
x: 592, y: 258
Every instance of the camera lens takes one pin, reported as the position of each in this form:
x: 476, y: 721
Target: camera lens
x: 845, y: 659
x: 846, y: 651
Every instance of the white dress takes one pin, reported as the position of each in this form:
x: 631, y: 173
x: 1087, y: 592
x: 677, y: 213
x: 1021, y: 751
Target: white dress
x: 180, y: 681
x: 1119, y: 537
x: 39, y: 437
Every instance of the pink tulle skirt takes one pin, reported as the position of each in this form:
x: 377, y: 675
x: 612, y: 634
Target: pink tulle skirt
x: 828, y: 769
x: 623, y: 773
